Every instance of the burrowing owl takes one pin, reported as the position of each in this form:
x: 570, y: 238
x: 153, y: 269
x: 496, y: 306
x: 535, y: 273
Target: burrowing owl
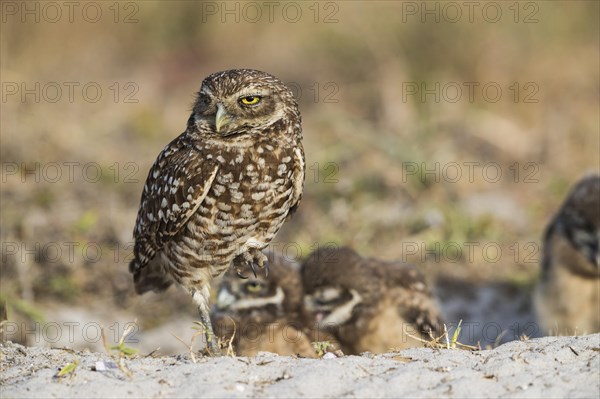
x: 220, y: 191
x: 567, y: 297
x: 263, y: 313
x: 369, y: 305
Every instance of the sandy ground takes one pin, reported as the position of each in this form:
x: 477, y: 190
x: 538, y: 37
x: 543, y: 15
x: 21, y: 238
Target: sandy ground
x: 544, y: 367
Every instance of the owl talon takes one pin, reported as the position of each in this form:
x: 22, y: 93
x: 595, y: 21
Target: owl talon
x: 253, y: 269
x: 240, y: 275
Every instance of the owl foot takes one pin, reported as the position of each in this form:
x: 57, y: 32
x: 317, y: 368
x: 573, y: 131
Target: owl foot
x: 253, y: 258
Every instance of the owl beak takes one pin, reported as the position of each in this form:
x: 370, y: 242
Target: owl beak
x: 222, y: 119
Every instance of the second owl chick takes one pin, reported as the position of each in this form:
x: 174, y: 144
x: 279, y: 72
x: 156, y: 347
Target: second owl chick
x: 263, y: 311
x: 368, y: 304
x: 567, y: 298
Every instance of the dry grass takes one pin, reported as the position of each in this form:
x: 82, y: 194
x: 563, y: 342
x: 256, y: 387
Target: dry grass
x: 123, y: 352
x: 444, y: 341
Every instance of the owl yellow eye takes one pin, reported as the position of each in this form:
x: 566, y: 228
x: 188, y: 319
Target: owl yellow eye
x: 253, y: 286
x: 250, y: 100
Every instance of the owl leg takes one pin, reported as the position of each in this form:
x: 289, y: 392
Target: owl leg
x: 200, y: 297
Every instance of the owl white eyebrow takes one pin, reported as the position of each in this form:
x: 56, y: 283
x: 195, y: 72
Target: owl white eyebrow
x: 342, y: 314
x: 330, y: 293
x: 276, y: 299
x: 253, y: 93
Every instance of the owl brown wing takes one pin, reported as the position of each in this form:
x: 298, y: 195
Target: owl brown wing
x: 176, y: 185
x: 416, y: 304
x: 298, y: 177
x: 422, y: 311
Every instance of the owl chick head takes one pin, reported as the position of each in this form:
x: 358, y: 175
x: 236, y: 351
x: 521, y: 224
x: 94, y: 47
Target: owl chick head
x: 338, y: 284
x: 243, y: 101
x: 583, y: 202
x: 260, y: 296
x: 578, y: 221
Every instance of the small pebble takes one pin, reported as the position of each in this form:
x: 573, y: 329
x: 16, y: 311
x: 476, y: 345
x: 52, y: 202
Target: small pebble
x: 100, y: 366
x: 240, y: 388
x: 104, y: 366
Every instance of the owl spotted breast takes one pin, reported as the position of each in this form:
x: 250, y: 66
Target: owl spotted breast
x: 220, y: 192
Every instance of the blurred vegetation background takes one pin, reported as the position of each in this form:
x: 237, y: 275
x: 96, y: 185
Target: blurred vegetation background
x: 402, y: 158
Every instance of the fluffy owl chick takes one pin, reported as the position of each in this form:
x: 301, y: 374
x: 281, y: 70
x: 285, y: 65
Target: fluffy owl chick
x: 220, y: 191
x: 567, y: 298
x: 367, y: 304
x: 261, y: 313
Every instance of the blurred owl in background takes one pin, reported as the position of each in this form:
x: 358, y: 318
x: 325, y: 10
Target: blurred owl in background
x: 367, y: 304
x: 264, y: 311
x: 567, y: 297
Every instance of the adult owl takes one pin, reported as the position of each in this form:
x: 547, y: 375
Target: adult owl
x: 220, y: 192
x: 262, y: 314
x: 567, y: 297
x: 368, y: 304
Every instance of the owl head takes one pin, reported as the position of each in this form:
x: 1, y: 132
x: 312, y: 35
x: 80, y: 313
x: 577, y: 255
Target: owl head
x: 339, y: 285
x: 243, y: 101
x: 261, y: 298
x: 578, y: 221
x: 583, y: 203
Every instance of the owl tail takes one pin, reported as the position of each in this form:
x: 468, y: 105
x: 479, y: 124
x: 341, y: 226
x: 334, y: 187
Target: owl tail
x: 150, y: 277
